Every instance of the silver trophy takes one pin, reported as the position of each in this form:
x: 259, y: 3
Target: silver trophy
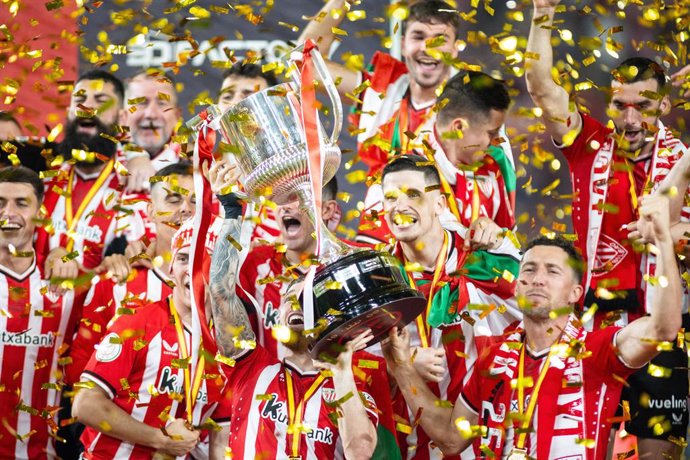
x: 266, y: 136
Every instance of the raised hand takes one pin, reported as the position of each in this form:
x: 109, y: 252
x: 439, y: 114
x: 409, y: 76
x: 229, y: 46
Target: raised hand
x: 429, y: 363
x: 655, y: 222
x: 396, y: 349
x: 116, y: 266
x: 343, y: 365
x: 483, y: 234
x: 681, y: 79
x: 222, y: 176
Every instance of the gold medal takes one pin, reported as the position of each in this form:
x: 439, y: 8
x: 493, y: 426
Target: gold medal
x: 517, y: 454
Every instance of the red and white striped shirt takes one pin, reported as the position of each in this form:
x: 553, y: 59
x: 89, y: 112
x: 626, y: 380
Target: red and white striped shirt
x: 262, y: 277
x: 260, y: 408
x: 33, y: 329
x: 134, y: 366
x: 95, y: 227
x: 101, y: 307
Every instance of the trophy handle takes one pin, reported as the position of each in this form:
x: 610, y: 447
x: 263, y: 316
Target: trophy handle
x: 329, y: 85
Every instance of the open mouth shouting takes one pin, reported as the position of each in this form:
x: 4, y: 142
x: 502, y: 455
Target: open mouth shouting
x: 292, y: 226
x: 295, y: 319
x: 87, y: 125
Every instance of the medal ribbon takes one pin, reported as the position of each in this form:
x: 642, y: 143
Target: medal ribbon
x: 191, y: 391
x: 527, y: 415
x: 73, y: 219
x: 310, y: 124
x: 296, y: 411
x: 633, y: 190
x: 401, y: 140
x: 422, y: 323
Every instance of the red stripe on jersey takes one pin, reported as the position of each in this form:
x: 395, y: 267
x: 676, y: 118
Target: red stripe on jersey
x: 33, y: 327
x: 261, y: 277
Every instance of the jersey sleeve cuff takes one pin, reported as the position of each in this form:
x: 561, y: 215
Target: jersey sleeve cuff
x: 467, y: 404
x: 102, y: 384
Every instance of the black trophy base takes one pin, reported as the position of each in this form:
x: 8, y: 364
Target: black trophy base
x: 370, y: 292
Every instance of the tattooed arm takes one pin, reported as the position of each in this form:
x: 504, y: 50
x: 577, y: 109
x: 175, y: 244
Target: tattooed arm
x: 229, y: 315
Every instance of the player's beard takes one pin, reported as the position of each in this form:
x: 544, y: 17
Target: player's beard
x: 299, y: 345
x: 75, y: 140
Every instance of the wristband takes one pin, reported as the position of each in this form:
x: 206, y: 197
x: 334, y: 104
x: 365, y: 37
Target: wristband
x: 231, y: 205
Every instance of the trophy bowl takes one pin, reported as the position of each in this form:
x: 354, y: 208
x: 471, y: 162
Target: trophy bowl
x: 365, y: 289
x: 265, y: 132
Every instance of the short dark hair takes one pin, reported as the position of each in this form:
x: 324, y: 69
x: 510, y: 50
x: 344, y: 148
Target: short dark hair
x: 413, y: 163
x: 7, y: 116
x: 330, y: 190
x: 250, y: 70
x: 432, y: 12
x: 472, y: 94
x: 23, y: 175
x: 575, y: 258
x: 98, y: 74
x: 182, y: 168
x: 639, y: 68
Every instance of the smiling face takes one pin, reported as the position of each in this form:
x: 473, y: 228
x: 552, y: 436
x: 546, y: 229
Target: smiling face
x: 411, y: 209
x: 635, y: 116
x: 172, y: 203
x: 427, y: 71
x: 152, y: 112
x: 546, y: 281
x: 18, y: 209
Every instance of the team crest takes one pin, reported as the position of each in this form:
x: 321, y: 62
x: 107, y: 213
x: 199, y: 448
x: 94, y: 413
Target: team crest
x: 609, y: 254
x: 328, y: 395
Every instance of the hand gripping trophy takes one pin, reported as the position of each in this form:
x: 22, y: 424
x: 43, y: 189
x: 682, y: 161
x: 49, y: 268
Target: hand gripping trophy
x: 282, y: 149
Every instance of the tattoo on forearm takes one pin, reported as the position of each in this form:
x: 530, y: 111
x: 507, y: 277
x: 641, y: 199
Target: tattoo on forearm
x: 229, y: 315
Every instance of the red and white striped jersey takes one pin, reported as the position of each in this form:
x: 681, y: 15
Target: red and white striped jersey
x: 101, y: 307
x: 134, y: 366
x: 34, y: 330
x: 259, y: 400
x: 262, y: 277
x: 95, y: 227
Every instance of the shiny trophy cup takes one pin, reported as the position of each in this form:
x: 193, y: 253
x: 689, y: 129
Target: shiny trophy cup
x: 353, y: 288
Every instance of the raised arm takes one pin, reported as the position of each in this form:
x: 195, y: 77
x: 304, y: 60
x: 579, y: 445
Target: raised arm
x: 560, y: 116
x: 437, y: 420
x: 230, y: 318
x: 357, y: 432
x: 637, y: 342
x: 320, y: 31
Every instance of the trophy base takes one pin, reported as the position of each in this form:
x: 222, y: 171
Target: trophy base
x: 370, y: 292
